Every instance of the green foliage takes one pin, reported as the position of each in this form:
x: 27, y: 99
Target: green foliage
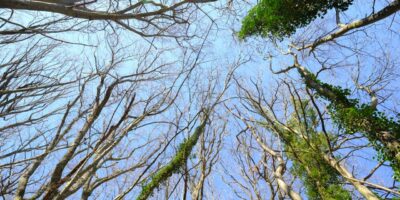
x: 281, y: 18
x: 320, y: 179
x: 362, y: 118
x: 354, y: 117
x: 174, y: 165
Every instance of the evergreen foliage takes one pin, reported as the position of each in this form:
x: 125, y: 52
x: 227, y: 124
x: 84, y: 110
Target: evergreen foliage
x: 320, y: 179
x: 174, y: 165
x: 306, y: 152
x: 281, y: 18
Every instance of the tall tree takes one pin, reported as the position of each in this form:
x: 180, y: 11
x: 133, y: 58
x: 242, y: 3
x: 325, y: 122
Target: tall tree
x: 281, y: 19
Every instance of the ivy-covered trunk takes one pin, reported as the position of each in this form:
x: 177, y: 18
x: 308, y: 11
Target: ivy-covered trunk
x: 349, y: 114
x: 177, y: 162
x: 308, y: 149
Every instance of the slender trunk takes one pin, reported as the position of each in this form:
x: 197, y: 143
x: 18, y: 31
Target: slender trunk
x: 280, y: 170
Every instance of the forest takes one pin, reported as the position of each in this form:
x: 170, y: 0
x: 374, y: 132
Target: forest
x: 199, y: 99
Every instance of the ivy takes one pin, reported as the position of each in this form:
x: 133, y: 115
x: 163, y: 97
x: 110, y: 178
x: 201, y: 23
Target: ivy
x: 320, y: 179
x: 354, y: 117
x: 281, y: 18
x: 174, y: 165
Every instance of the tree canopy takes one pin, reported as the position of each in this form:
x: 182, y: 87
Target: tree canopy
x: 281, y: 18
x: 199, y: 99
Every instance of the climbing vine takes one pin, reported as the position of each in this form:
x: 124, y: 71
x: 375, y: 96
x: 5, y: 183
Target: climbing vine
x: 382, y: 132
x: 320, y: 179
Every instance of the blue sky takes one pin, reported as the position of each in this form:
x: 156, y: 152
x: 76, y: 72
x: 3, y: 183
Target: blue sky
x: 222, y: 49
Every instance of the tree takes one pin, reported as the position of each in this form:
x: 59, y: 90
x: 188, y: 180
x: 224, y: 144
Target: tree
x: 177, y: 162
x: 382, y: 131
x: 311, y: 152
